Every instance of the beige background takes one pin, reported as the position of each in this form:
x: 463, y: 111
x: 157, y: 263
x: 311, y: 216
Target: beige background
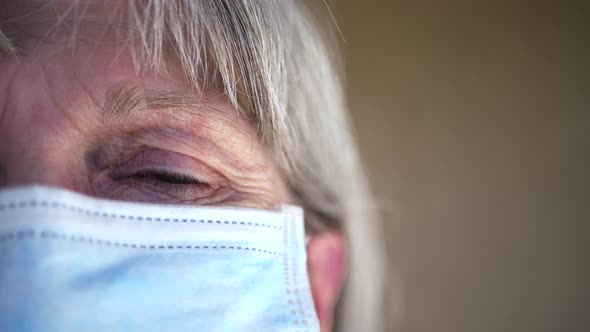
x: 474, y: 118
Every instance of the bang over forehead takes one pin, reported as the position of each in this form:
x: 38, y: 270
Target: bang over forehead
x: 238, y: 47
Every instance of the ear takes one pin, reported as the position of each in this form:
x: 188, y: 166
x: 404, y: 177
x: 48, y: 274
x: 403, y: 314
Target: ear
x: 326, y: 254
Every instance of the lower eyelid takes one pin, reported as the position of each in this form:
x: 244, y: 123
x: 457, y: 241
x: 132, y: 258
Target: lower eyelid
x: 161, y: 192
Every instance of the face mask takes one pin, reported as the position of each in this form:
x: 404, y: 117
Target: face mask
x: 73, y: 263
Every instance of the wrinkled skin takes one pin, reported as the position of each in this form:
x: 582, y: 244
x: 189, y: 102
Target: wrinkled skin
x: 64, y: 122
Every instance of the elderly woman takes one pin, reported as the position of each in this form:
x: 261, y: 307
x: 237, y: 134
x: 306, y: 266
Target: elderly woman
x: 115, y: 116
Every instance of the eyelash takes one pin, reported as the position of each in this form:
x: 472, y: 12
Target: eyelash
x: 168, y: 180
x: 166, y: 177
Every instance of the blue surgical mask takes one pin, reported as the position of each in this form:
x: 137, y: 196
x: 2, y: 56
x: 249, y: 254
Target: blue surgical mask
x: 74, y: 263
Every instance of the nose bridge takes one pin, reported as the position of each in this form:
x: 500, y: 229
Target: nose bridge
x: 41, y: 140
x: 27, y: 160
x: 40, y: 155
x: 40, y: 143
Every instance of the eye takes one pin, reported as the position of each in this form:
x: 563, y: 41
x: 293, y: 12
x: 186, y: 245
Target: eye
x: 158, y: 176
x: 166, y: 176
x: 164, y: 180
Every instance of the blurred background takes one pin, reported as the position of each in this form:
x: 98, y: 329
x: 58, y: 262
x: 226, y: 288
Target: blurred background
x: 474, y: 120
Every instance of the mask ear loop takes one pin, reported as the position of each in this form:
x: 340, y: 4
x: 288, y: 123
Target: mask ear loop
x: 307, y: 239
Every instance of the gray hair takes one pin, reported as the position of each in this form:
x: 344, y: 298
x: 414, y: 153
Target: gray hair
x: 278, y: 67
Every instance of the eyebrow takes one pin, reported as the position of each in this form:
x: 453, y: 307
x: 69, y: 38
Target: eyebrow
x: 123, y: 100
x: 130, y: 101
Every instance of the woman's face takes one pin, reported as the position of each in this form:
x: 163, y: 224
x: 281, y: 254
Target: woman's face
x: 78, y: 116
x: 83, y: 119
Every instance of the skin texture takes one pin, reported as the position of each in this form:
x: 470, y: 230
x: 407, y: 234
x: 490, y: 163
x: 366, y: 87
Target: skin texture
x: 61, y: 124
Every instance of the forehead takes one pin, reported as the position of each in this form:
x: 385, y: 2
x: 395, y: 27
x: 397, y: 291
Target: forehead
x: 238, y: 48
x: 74, y: 50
